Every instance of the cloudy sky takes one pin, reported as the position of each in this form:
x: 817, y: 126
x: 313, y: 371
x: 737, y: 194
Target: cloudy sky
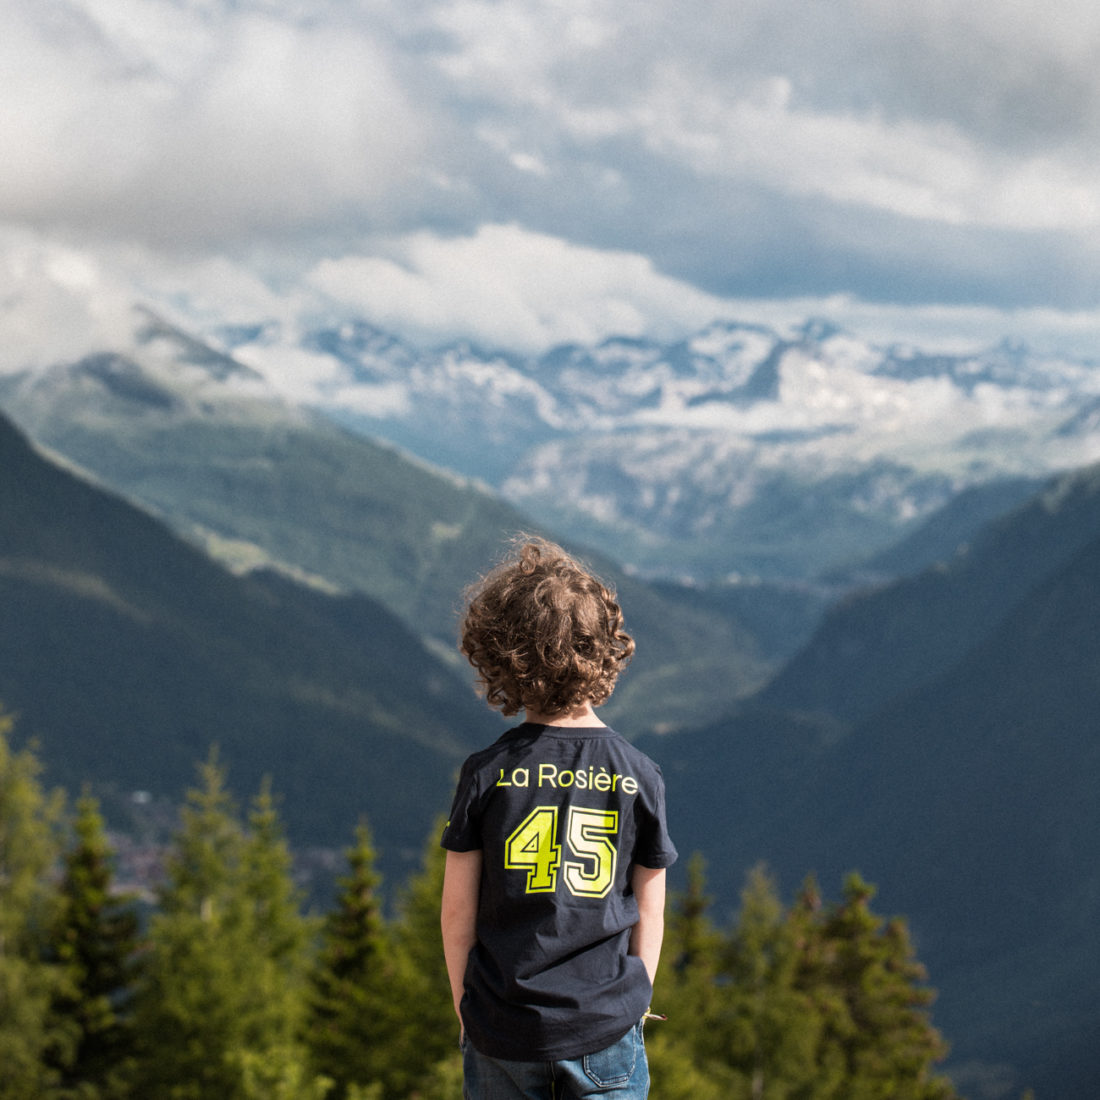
x: 524, y: 172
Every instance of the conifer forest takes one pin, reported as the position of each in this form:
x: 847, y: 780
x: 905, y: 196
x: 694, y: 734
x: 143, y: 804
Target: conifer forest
x: 227, y: 986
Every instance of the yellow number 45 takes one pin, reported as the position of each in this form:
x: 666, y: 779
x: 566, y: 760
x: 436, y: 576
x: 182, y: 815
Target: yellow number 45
x: 533, y: 847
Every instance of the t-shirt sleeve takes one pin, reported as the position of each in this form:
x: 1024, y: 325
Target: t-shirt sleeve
x: 462, y: 833
x: 654, y: 847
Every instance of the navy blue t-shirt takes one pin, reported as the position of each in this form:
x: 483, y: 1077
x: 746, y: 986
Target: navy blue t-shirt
x: 561, y: 815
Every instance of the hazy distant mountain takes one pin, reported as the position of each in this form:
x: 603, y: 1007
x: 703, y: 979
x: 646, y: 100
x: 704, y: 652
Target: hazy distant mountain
x: 737, y: 451
x: 205, y: 443
x: 940, y: 735
x: 946, y: 533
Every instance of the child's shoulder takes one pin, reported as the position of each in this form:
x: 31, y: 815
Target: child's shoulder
x: 635, y: 753
x: 510, y: 740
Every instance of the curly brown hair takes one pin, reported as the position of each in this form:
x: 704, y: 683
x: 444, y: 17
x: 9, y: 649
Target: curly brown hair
x: 543, y: 633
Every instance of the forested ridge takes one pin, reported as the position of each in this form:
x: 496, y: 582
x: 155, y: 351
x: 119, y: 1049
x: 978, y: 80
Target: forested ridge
x: 227, y: 988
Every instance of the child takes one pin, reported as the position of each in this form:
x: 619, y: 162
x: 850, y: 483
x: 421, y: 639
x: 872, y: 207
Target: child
x: 553, y: 894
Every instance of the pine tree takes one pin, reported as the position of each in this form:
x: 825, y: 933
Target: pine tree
x: 689, y: 992
x: 30, y: 1038
x: 772, y: 1029
x: 688, y: 986
x: 222, y: 1006
x: 690, y: 950
x: 422, y: 1028
x: 95, y: 937
x: 861, y: 971
x: 276, y: 1059
x: 811, y: 1003
x: 350, y: 980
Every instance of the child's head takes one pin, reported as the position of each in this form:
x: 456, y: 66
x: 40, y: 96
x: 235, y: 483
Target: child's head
x: 543, y: 633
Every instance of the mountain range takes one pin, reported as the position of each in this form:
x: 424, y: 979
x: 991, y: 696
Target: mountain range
x: 189, y: 561
x: 933, y: 727
x: 738, y: 451
x: 201, y: 440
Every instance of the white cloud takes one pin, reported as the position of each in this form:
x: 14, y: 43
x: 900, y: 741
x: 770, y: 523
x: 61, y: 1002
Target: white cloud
x: 505, y: 286
x: 208, y: 290
x: 57, y: 304
x: 508, y: 286
x: 527, y: 173
x: 176, y: 123
x: 518, y: 52
x: 216, y: 120
x: 293, y: 372
x: 501, y: 287
x: 914, y: 169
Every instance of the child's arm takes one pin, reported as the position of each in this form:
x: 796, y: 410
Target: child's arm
x: 458, y: 916
x: 645, y: 938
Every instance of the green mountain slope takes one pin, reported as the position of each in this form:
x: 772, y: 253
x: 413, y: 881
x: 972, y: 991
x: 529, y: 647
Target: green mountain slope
x: 964, y: 786
x: 946, y: 531
x: 876, y: 644
x: 1001, y: 759
x: 128, y: 653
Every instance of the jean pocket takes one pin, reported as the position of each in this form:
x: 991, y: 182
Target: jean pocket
x: 613, y: 1066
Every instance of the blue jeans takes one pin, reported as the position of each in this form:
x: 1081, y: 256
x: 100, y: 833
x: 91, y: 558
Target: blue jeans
x: 618, y: 1072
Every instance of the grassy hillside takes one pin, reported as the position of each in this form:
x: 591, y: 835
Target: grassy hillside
x: 1001, y: 758
x: 951, y: 528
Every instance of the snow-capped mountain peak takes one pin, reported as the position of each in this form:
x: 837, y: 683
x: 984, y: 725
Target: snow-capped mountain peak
x: 735, y: 448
